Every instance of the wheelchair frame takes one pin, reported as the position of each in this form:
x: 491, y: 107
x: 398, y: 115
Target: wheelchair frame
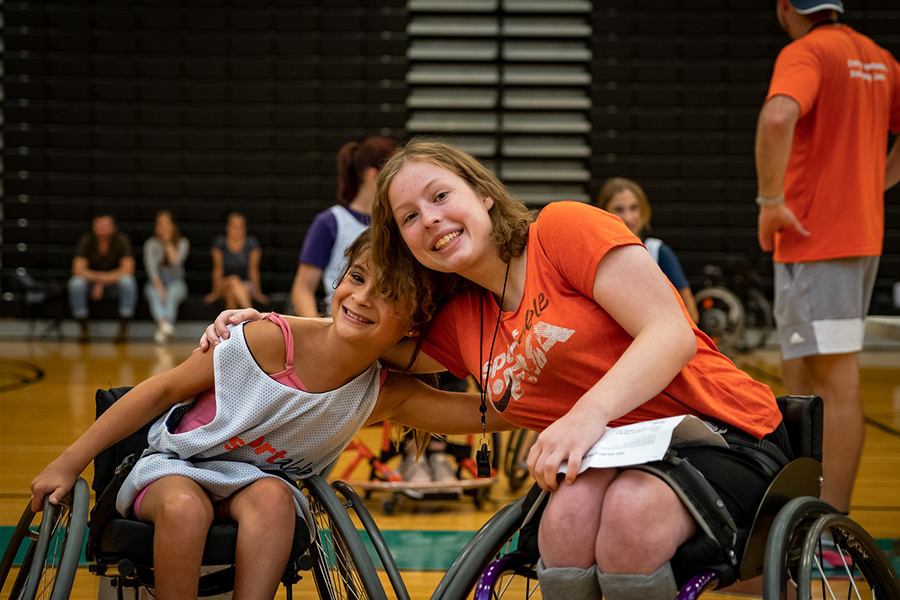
x: 337, y: 558
x: 784, y: 543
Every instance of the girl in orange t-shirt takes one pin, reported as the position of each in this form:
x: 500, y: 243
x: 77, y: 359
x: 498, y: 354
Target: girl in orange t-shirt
x: 589, y: 333
x: 570, y: 326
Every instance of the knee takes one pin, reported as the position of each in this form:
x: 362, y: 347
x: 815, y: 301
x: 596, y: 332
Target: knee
x: 272, y: 502
x: 642, y: 523
x: 77, y: 285
x: 568, y: 529
x: 185, y: 513
x: 127, y: 283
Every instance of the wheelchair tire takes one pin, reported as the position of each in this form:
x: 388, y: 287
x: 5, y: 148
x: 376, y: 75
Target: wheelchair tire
x: 488, y: 543
x: 341, y: 565
x: 721, y: 316
x: 758, y: 321
x: 49, y: 567
x: 352, y: 500
x: 856, y: 562
x: 512, y: 576
x: 785, y: 540
x: 516, y: 461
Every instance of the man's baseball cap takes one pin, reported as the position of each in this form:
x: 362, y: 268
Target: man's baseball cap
x: 804, y: 7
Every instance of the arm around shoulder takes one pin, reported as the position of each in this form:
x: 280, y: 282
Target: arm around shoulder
x: 411, y: 402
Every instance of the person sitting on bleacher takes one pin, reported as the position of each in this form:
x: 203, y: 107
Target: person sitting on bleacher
x: 103, y: 264
x: 236, y: 257
x: 164, y: 256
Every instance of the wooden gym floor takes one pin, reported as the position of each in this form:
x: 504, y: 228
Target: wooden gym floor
x: 47, y: 399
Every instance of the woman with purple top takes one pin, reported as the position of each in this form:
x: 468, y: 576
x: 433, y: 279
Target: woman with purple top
x: 334, y: 229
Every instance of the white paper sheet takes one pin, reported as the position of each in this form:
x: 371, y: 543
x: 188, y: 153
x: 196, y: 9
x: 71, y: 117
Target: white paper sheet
x: 645, y: 442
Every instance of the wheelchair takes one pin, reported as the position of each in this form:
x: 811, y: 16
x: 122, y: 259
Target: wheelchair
x: 122, y: 549
x: 784, y: 544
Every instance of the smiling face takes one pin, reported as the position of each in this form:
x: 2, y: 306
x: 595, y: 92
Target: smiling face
x: 626, y: 206
x: 360, y: 313
x: 442, y: 219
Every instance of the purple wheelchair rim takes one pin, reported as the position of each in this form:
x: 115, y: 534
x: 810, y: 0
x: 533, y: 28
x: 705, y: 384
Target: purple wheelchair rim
x: 489, y: 576
x: 698, y: 583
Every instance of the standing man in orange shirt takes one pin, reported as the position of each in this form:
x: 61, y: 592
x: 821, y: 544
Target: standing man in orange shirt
x: 822, y: 167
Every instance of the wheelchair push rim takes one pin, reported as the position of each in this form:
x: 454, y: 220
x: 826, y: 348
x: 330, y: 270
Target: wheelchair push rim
x: 49, y: 567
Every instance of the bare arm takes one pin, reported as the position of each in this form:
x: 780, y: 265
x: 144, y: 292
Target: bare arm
x: 892, y: 170
x: 80, y: 269
x: 303, y: 291
x: 774, y: 137
x: 632, y: 289
x: 253, y: 273
x: 218, y: 272
x: 690, y: 304
x: 123, y: 418
x: 397, y: 358
x: 399, y: 355
x: 408, y: 401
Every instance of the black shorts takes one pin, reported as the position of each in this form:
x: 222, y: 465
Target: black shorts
x: 741, y: 473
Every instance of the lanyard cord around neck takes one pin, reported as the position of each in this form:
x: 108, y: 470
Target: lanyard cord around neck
x: 487, y: 377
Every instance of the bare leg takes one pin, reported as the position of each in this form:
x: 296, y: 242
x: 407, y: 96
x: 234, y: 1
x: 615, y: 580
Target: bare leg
x: 834, y: 377
x: 642, y: 524
x: 181, y: 513
x: 236, y: 293
x: 264, y: 511
x: 569, y: 525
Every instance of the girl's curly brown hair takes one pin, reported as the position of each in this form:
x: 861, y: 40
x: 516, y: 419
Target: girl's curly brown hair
x: 415, y: 288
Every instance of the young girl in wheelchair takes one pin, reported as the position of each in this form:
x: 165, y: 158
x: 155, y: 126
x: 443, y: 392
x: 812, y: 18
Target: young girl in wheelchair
x: 569, y: 326
x: 278, y: 401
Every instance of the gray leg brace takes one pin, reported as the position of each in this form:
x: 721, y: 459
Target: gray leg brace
x: 658, y: 586
x: 568, y: 583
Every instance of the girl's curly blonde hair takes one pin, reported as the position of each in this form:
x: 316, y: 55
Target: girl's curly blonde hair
x: 413, y: 287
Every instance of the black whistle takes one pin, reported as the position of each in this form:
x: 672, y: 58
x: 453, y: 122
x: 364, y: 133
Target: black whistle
x: 483, y: 461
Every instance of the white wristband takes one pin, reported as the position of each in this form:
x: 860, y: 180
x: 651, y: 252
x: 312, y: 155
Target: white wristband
x: 763, y: 201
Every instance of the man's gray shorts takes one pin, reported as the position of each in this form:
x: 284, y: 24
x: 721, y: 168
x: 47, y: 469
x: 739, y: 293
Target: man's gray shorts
x: 821, y: 306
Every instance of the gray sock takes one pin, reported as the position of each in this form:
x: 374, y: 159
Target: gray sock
x: 658, y: 586
x: 568, y: 583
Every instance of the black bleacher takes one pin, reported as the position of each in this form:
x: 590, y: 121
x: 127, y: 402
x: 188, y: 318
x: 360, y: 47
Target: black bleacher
x: 207, y: 106
x: 198, y: 107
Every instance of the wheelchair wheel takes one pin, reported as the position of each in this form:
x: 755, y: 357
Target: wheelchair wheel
x: 721, y: 316
x: 341, y: 566
x: 491, y: 541
x: 516, y: 460
x: 793, y: 564
x: 840, y: 559
x: 48, y: 569
x: 758, y: 321
x: 510, y: 577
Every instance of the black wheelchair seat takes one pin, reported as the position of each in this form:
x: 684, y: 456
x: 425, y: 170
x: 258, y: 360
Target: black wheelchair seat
x: 134, y: 539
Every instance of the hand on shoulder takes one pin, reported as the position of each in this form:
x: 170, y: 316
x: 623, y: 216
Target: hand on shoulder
x: 218, y: 331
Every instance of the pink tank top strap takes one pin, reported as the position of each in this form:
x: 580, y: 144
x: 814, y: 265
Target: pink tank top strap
x: 288, y: 338
x: 287, y: 377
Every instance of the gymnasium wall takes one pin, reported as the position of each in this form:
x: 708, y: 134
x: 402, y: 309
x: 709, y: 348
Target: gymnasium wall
x: 207, y: 106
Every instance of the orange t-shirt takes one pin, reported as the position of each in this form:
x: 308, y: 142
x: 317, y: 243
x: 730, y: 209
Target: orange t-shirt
x: 559, y: 342
x: 848, y: 89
